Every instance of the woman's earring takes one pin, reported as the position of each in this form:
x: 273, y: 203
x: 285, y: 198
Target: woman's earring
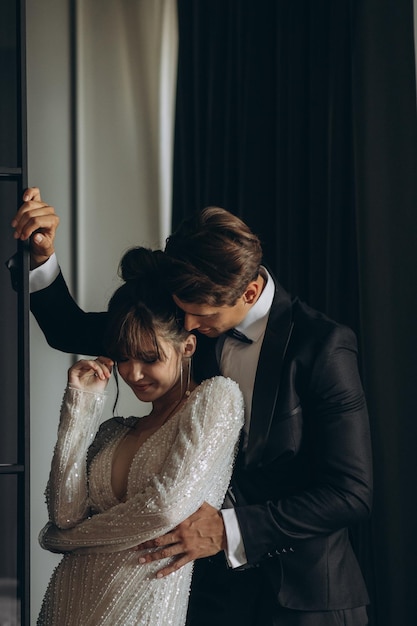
x: 187, y: 391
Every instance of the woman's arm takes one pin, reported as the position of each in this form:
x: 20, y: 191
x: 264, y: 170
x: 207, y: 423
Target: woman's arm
x: 67, y: 491
x: 81, y: 412
x: 198, y: 469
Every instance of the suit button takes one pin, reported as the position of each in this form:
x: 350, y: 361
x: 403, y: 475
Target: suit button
x: 277, y: 552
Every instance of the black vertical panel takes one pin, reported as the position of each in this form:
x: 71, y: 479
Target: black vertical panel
x: 8, y: 330
x: 9, y: 84
x: 10, y: 587
x: 14, y: 326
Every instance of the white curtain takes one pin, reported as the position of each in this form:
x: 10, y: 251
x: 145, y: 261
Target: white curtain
x: 126, y: 80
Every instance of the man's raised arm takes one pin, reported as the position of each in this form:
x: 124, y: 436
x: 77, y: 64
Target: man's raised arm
x: 65, y: 326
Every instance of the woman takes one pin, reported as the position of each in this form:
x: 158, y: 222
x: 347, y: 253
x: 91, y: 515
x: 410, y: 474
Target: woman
x: 141, y: 476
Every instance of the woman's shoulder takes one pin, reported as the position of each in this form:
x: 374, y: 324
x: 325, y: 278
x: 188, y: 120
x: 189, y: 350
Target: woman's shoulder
x: 220, y: 391
x: 218, y: 399
x: 220, y: 383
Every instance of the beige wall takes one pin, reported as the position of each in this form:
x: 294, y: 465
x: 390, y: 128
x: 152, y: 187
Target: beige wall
x: 126, y: 80
x: 49, y: 168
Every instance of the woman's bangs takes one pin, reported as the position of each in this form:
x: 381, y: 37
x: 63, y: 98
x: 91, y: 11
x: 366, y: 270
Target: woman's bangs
x: 138, y: 342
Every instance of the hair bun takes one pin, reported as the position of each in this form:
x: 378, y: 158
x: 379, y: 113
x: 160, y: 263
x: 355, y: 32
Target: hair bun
x: 141, y: 263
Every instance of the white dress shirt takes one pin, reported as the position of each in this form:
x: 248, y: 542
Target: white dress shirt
x: 239, y: 361
x: 44, y: 275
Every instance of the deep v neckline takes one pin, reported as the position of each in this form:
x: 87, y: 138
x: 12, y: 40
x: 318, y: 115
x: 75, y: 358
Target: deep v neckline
x: 139, y: 452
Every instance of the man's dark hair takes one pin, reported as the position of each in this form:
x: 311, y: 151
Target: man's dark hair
x: 214, y: 258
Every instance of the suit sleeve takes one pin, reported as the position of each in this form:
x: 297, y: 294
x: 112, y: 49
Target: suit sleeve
x: 197, y: 469
x: 337, y: 489
x: 67, y: 327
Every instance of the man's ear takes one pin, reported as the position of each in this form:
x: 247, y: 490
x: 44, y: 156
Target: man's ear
x: 252, y: 292
x: 189, y: 345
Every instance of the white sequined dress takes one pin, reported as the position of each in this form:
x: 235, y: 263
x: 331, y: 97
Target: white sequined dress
x: 186, y: 462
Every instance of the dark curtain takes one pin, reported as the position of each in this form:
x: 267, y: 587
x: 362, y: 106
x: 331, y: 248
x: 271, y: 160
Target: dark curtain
x: 299, y: 116
x: 264, y: 129
x: 386, y: 183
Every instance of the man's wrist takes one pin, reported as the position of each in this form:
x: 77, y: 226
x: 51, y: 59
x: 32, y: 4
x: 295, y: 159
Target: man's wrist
x: 234, y: 550
x: 44, y: 275
x: 36, y: 260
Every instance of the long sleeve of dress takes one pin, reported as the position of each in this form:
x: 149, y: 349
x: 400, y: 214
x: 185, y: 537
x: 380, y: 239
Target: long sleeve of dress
x: 197, y: 469
x: 67, y: 490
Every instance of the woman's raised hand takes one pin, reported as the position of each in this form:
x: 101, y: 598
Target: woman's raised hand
x: 91, y: 374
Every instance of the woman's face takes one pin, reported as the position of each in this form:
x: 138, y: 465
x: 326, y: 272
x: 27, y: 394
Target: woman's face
x: 150, y: 381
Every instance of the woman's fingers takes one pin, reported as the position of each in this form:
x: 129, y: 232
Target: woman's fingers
x: 91, y: 372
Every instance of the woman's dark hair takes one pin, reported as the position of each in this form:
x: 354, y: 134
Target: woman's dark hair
x: 142, y: 312
x: 214, y: 258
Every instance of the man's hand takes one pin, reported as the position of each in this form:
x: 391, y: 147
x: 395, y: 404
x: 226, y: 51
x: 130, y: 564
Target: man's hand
x: 37, y: 220
x: 200, y: 535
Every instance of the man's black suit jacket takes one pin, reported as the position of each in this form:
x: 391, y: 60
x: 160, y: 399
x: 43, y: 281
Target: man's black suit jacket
x: 306, y: 474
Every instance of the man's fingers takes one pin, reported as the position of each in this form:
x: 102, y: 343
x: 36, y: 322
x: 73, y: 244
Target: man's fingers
x: 36, y: 220
x: 42, y: 219
x: 164, y: 540
x: 202, y: 534
x: 175, y: 551
x: 161, y: 553
x: 37, y: 237
x: 174, y: 566
x: 29, y: 206
x: 32, y: 209
x: 32, y: 193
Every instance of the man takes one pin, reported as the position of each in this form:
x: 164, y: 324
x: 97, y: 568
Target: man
x: 279, y: 552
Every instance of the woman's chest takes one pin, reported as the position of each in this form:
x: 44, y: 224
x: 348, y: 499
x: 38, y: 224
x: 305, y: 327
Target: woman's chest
x: 122, y: 468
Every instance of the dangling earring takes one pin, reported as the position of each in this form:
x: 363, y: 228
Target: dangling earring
x: 182, y: 378
x: 187, y: 391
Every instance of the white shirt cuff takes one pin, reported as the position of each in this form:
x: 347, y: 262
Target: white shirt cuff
x: 44, y: 275
x: 235, y: 553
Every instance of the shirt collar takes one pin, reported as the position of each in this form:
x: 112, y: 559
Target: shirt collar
x: 254, y: 324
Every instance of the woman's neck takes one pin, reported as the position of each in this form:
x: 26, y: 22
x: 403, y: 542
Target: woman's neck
x: 172, y: 400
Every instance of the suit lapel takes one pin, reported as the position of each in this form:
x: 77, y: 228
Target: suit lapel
x: 268, y: 376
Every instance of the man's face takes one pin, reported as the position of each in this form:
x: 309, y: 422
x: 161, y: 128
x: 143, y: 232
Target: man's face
x: 212, y: 320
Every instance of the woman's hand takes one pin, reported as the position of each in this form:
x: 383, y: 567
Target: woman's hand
x: 91, y: 375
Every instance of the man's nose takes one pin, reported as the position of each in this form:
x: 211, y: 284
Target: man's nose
x: 191, y: 322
